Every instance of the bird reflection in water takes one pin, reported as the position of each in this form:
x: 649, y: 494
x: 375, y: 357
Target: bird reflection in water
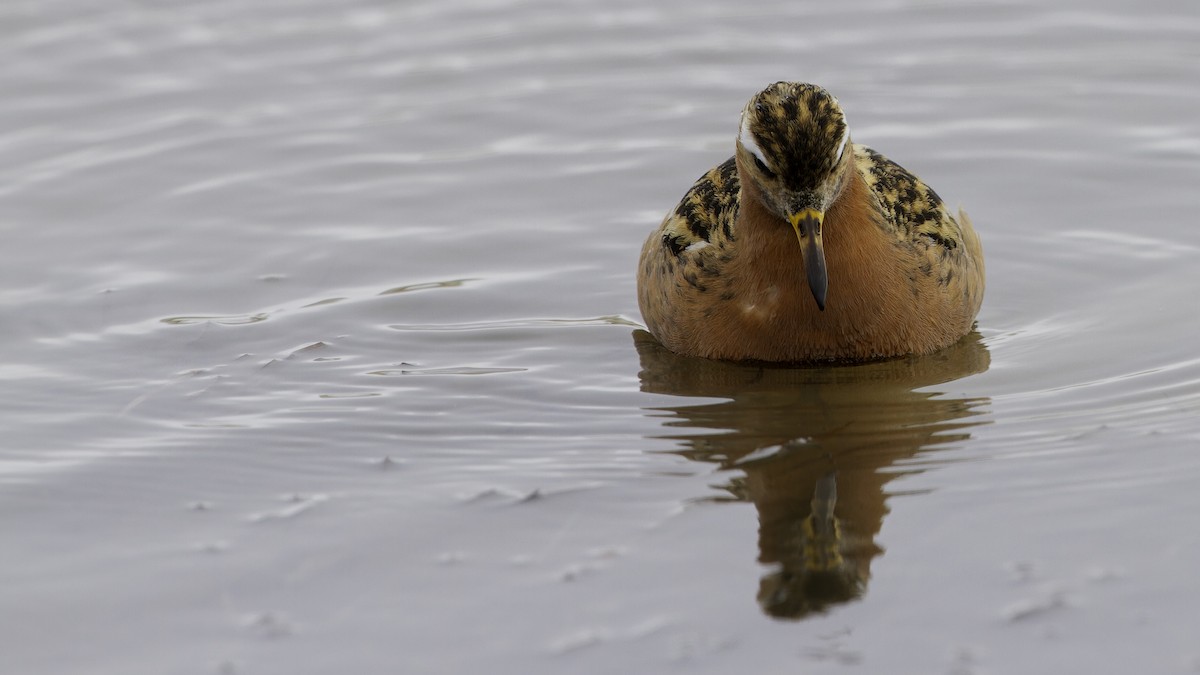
x: 813, y: 449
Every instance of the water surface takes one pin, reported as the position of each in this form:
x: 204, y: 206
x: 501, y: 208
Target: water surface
x: 322, y: 349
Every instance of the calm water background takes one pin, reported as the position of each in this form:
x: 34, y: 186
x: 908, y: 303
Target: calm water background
x: 319, y: 347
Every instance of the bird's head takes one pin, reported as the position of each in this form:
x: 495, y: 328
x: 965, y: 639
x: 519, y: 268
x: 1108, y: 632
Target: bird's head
x: 792, y: 143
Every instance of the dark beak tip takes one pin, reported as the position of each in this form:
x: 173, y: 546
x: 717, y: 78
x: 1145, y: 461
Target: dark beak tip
x: 818, y: 283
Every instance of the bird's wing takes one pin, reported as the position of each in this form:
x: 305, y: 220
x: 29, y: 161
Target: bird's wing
x: 706, y: 213
x: 908, y: 204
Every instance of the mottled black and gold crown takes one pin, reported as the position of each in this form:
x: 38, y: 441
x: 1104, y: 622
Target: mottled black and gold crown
x: 796, y: 134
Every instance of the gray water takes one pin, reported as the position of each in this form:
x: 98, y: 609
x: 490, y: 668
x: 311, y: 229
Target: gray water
x: 320, y: 345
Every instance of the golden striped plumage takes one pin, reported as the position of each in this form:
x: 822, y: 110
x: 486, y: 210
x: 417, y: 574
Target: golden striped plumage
x: 724, y: 276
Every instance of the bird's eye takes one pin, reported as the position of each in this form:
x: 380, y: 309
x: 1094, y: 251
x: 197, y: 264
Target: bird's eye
x: 763, y: 167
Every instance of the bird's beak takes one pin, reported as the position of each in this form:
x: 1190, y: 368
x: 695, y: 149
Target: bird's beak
x: 807, y: 224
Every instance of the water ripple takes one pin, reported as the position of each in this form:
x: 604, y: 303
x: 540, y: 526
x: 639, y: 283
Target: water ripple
x: 519, y: 323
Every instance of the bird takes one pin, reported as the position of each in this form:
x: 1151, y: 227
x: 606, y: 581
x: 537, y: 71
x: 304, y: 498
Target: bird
x: 807, y: 247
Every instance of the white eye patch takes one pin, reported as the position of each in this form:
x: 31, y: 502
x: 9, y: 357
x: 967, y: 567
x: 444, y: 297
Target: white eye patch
x: 845, y: 137
x: 746, y: 138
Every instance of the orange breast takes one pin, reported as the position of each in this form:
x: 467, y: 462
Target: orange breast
x: 885, y: 298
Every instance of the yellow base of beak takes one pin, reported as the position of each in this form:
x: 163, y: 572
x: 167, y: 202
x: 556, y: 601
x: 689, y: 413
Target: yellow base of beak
x: 807, y: 224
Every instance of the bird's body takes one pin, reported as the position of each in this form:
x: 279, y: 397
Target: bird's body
x: 882, y: 267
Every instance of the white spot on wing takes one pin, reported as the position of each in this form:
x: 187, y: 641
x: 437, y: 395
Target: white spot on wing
x: 746, y: 138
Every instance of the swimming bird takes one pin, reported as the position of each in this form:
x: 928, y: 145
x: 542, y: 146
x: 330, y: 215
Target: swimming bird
x: 805, y: 246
